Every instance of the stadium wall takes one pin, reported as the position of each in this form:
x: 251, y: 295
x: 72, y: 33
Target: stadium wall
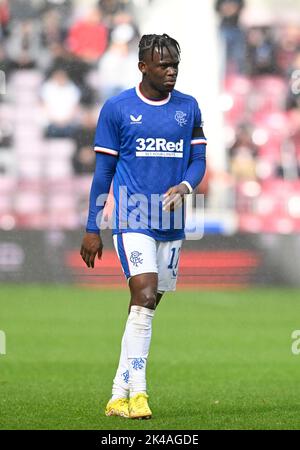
x: 215, y: 261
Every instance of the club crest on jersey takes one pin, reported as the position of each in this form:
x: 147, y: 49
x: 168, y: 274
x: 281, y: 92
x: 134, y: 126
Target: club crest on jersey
x: 180, y: 118
x: 135, y: 258
x: 136, y: 120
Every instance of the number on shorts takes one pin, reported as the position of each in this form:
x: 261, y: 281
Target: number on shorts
x: 174, y: 257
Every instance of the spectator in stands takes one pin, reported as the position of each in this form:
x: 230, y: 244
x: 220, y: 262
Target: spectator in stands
x: 6, y: 64
x: 88, y: 37
x: 243, y: 155
x: 289, y: 165
x: 125, y: 18
x: 62, y: 7
x: 52, y: 36
x: 232, y: 34
x: 6, y: 134
x: 84, y: 157
x: 119, y: 58
x: 261, y: 52
x: 288, y: 44
x: 76, y: 68
x: 52, y: 31
x: 4, y: 18
x: 293, y: 98
x: 60, y: 98
x: 294, y: 135
x: 109, y: 9
x: 23, y: 9
x: 23, y: 45
x: 229, y: 11
x: 294, y: 126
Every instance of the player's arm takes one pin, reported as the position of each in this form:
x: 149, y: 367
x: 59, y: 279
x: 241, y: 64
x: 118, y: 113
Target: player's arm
x: 197, y: 164
x: 92, y: 242
x: 107, y: 145
x: 194, y: 174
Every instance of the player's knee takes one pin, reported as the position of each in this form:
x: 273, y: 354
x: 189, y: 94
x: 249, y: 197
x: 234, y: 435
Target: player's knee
x: 147, y: 299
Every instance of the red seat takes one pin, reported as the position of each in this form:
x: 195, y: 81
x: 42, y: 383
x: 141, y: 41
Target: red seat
x: 268, y: 93
x: 237, y: 87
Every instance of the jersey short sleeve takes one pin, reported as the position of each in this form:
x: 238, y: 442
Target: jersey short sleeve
x: 197, y: 115
x: 107, y: 138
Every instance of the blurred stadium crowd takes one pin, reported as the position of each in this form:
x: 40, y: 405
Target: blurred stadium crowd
x: 261, y: 104
x: 62, y: 59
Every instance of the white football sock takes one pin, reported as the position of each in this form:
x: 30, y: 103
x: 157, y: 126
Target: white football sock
x: 120, y: 387
x: 138, y: 337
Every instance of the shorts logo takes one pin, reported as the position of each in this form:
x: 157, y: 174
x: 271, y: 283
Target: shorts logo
x: 135, y: 258
x: 180, y: 118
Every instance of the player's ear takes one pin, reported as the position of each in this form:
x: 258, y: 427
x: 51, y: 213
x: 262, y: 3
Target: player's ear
x: 142, y: 67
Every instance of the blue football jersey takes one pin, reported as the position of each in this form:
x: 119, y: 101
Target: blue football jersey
x: 152, y: 140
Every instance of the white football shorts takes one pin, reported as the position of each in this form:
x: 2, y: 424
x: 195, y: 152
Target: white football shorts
x: 140, y: 253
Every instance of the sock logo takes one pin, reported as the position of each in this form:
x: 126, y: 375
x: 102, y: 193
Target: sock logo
x: 125, y: 376
x: 138, y: 363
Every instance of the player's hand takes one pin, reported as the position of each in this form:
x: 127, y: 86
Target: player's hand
x: 174, y: 196
x: 90, y: 247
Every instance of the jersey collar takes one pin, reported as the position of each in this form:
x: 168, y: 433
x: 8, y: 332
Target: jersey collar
x: 149, y: 101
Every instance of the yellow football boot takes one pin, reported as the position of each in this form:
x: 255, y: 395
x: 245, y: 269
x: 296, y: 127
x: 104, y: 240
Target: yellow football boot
x: 139, y: 408
x: 118, y: 407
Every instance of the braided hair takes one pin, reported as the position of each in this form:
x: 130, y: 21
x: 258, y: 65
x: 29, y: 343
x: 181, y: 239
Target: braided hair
x: 159, y: 41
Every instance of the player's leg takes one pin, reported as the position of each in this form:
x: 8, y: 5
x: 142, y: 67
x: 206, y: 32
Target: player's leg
x: 165, y: 256
x: 146, y: 292
x: 143, y: 286
x: 143, y: 289
x: 118, y: 404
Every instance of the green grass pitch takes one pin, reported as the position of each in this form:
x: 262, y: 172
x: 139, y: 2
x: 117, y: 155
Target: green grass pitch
x: 219, y: 360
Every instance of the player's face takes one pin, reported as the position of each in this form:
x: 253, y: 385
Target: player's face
x: 161, y: 72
